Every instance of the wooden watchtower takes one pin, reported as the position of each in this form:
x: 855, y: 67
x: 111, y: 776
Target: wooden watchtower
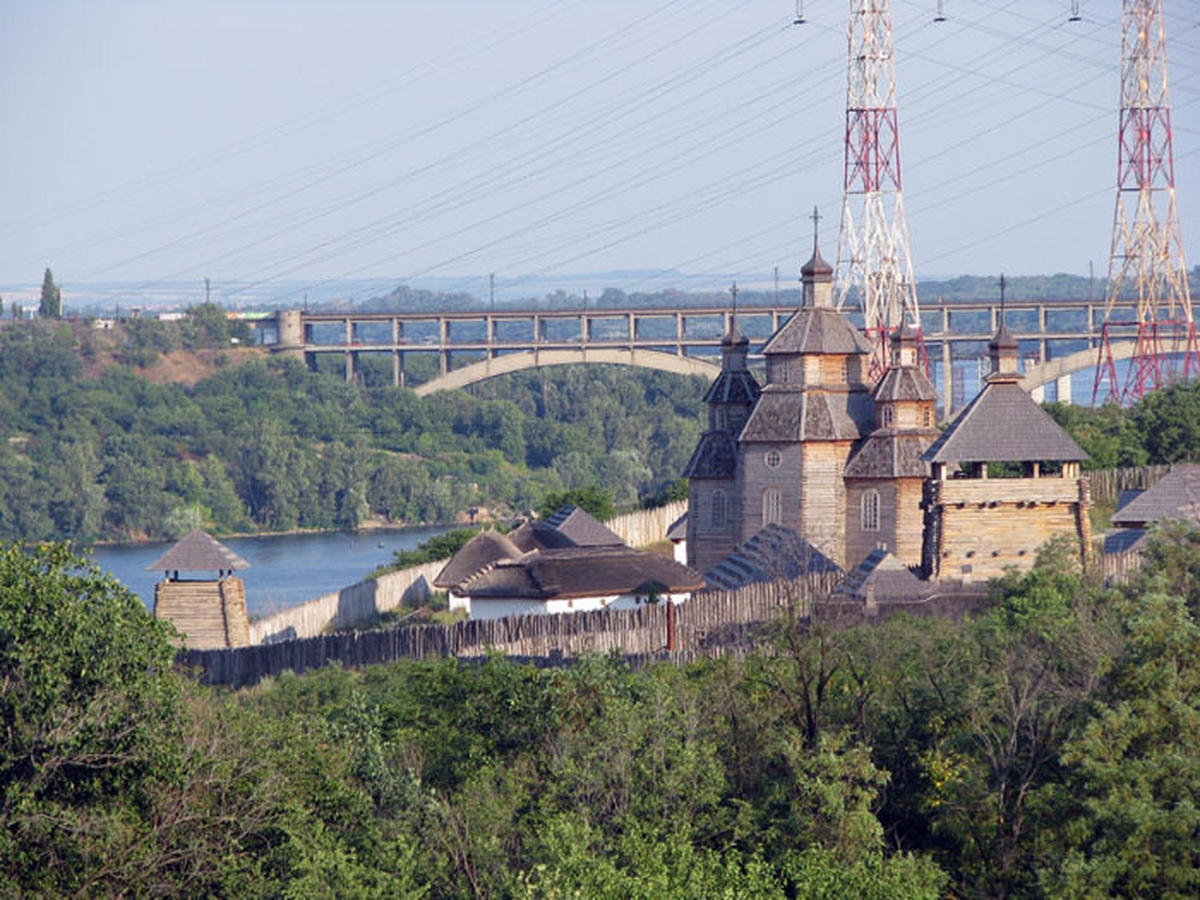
x: 208, y: 613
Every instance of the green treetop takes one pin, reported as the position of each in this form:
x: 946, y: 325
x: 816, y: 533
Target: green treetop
x: 51, y: 305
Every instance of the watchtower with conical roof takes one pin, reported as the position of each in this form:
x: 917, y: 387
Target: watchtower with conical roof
x: 1005, y: 479
x: 208, y: 613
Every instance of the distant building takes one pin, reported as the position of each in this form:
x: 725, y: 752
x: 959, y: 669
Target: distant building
x: 852, y: 468
x: 566, y: 563
x: 208, y: 613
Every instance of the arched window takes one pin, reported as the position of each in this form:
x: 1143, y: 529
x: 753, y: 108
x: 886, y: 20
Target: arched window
x: 772, y: 507
x: 772, y: 459
x: 719, y: 513
x: 870, y: 511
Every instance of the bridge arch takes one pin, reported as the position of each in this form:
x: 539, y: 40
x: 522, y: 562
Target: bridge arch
x: 515, y: 362
x: 1039, y: 376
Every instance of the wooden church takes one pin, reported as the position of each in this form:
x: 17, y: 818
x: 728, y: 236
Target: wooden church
x: 856, y: 467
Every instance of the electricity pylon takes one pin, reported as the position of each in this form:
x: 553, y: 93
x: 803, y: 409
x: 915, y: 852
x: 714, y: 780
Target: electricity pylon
x: 1146, y: 263
x: 874, y: 260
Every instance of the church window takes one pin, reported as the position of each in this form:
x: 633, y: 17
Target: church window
x: 888, y: 416
x: 870, y: 511
x: 720, y: 419
x: 783, y: 371
x: 718, y: 513
x: 846, y: 370
x: 772, y: 507
x: 927, y: 416
x: 772, y: 459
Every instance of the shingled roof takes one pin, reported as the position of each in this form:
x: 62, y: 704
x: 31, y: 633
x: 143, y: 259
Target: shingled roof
x: 1004, y: 424
x: 733, y: 386
x: 883, y: 575
x: 904, y: 383
x: 891, y: 454
x: 785, y: 414
x: 582, y: 572
x: 581, y: 528
x: 1175, y: 496
x: 715, y: 456
x: 198, y: 552
x: 817, y: 329
x: 772, y: 554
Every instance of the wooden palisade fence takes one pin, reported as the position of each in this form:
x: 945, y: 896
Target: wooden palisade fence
x: 707, y: 622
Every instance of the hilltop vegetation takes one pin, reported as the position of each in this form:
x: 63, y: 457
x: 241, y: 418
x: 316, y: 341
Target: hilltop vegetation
x: 90, y: 447
x: 1048, y: 748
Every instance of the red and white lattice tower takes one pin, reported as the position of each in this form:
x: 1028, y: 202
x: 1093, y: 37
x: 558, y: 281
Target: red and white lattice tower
x: 874, y: 260
x: 1146, y: 263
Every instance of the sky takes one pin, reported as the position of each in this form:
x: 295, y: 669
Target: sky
x: 276, y: 147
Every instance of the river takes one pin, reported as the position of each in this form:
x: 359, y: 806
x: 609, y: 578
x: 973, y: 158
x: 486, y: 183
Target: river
x: 284, y: 569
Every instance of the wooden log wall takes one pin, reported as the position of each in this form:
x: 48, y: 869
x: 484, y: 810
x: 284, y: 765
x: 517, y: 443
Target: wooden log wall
x: 646, y: 526
x: 342, y: 609
x: 1107, y: 484
x: 708, y: 620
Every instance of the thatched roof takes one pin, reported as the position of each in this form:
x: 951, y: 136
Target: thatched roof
x: 198, y: 552
x: 582, y: 572
x: 1174, y: 496
x: 1004, y: 424
x: 478, y: 553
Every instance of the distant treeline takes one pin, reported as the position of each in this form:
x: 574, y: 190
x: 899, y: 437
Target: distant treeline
x: 964, y: 288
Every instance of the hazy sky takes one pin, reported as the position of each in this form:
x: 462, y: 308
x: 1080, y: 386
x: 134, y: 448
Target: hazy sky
x: 259, y: 142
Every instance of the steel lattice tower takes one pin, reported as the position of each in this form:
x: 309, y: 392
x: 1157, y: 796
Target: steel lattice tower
x: 873, y: 252
x: 1146, y: 262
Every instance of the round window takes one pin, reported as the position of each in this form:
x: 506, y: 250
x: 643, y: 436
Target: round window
x: 772, y: 459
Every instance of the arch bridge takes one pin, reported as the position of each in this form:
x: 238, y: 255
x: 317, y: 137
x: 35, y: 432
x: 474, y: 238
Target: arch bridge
x: 1058, y: 338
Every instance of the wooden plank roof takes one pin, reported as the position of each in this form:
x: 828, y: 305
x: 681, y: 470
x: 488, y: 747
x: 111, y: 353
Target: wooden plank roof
x: 1174, y: 496
x: 1004, y: 424
x: 198, y: 552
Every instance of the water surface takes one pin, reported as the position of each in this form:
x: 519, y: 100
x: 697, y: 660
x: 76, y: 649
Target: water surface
x: 284, y: 570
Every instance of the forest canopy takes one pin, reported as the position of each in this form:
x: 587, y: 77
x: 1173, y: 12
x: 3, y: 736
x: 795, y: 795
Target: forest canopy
x: 268, y: 445
x: 1049, y: 746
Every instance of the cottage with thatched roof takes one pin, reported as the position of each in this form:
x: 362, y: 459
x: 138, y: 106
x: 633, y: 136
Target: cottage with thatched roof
x: 208, y: 613
x: 568, y: 562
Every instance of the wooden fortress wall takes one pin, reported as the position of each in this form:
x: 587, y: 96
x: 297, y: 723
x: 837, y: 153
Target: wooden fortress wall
x: 976, y: 528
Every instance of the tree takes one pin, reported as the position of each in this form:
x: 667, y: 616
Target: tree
x: 89, y: 707
x: 1134, y: 770
x: 51, y: 305
x: 594, y: 500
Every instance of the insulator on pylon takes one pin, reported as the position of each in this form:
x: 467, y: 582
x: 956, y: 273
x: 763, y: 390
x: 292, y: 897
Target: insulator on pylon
x: 1146, y: 262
